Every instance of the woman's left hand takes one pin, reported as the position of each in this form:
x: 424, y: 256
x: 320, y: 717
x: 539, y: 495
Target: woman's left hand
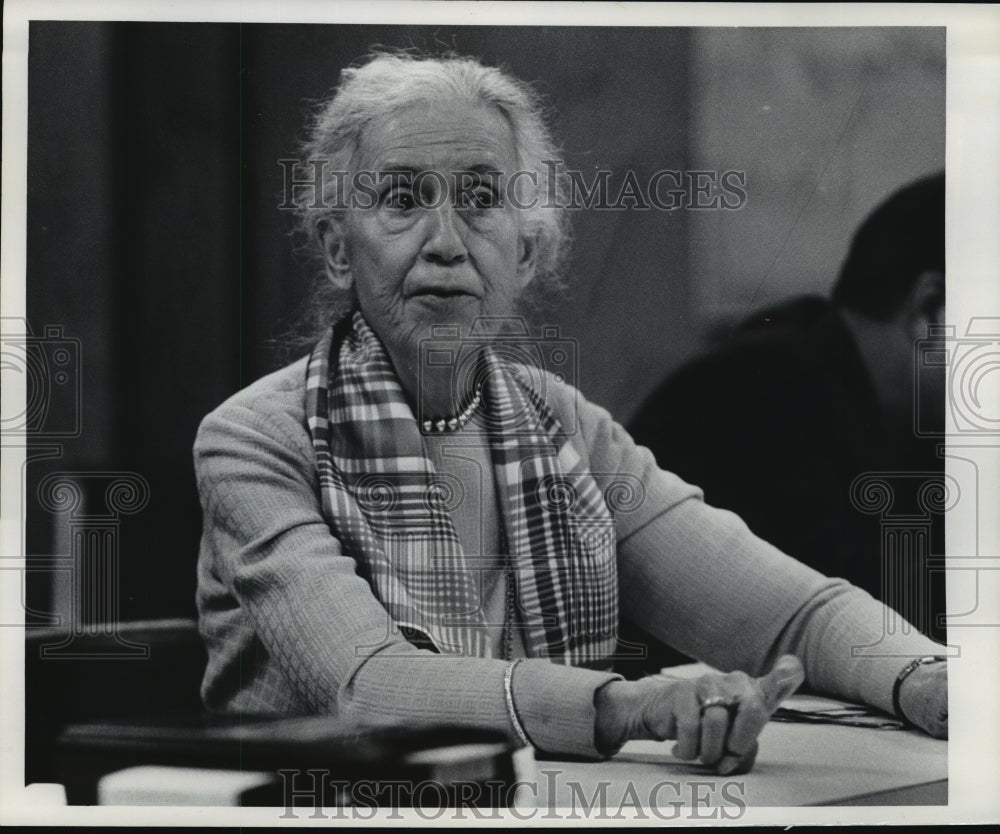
x: 716, y: 717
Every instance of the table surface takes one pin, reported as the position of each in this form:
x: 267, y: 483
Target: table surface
x: 798, y: 764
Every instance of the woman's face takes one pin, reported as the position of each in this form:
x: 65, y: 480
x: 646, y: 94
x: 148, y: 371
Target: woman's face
x: 429, y: 238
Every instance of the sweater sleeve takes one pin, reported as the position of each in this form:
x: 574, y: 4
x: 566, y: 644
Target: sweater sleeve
x: 696, y: 577
x: 320, y: 622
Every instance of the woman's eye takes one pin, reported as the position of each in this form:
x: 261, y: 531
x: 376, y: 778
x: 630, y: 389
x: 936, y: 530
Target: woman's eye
x: 480, y: 198
x: 399, y: 200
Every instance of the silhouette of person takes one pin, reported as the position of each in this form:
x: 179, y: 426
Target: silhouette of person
x: 776, y: 423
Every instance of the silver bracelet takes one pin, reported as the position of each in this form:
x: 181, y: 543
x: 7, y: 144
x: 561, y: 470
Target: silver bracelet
x: 508, y: 679
x: 907, y: 670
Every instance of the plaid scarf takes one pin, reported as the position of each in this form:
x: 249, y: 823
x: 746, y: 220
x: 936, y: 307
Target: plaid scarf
x: 388, y: 507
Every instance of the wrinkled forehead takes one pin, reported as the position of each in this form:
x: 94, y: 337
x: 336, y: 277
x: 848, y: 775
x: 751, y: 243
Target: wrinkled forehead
x: 444, y: 136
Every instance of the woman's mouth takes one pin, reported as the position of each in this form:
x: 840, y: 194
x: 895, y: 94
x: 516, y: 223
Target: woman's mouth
x: 441, y: 293
x: 444, y: 293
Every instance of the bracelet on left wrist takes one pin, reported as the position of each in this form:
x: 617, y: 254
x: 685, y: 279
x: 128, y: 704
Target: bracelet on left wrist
x: 902, y: 676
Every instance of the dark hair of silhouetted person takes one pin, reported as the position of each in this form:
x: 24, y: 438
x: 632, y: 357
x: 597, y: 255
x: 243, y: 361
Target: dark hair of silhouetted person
x: 902, y: 238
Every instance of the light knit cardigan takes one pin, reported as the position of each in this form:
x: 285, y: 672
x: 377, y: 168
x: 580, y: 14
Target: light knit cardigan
x: 291, y: 627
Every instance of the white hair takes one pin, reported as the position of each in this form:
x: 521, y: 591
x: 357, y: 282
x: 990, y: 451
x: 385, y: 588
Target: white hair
x: 387, y: 81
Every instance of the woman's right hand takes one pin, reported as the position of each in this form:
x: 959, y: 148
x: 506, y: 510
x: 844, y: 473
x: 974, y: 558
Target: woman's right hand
x: 716, y: 717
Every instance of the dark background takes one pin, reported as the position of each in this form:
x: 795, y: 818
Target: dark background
x: 155, y: 239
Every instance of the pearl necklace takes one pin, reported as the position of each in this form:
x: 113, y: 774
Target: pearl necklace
x: 455, y: 423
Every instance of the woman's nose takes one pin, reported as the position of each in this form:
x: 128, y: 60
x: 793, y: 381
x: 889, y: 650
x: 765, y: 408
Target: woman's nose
x: 444, y: 242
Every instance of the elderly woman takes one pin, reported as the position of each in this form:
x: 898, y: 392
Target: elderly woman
x: 407, y: 526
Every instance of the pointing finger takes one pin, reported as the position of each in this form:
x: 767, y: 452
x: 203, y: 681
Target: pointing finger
x: 786, y: 676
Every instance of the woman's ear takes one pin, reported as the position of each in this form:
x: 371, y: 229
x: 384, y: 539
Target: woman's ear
x: 338, y: 265
x: 527, y: 260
